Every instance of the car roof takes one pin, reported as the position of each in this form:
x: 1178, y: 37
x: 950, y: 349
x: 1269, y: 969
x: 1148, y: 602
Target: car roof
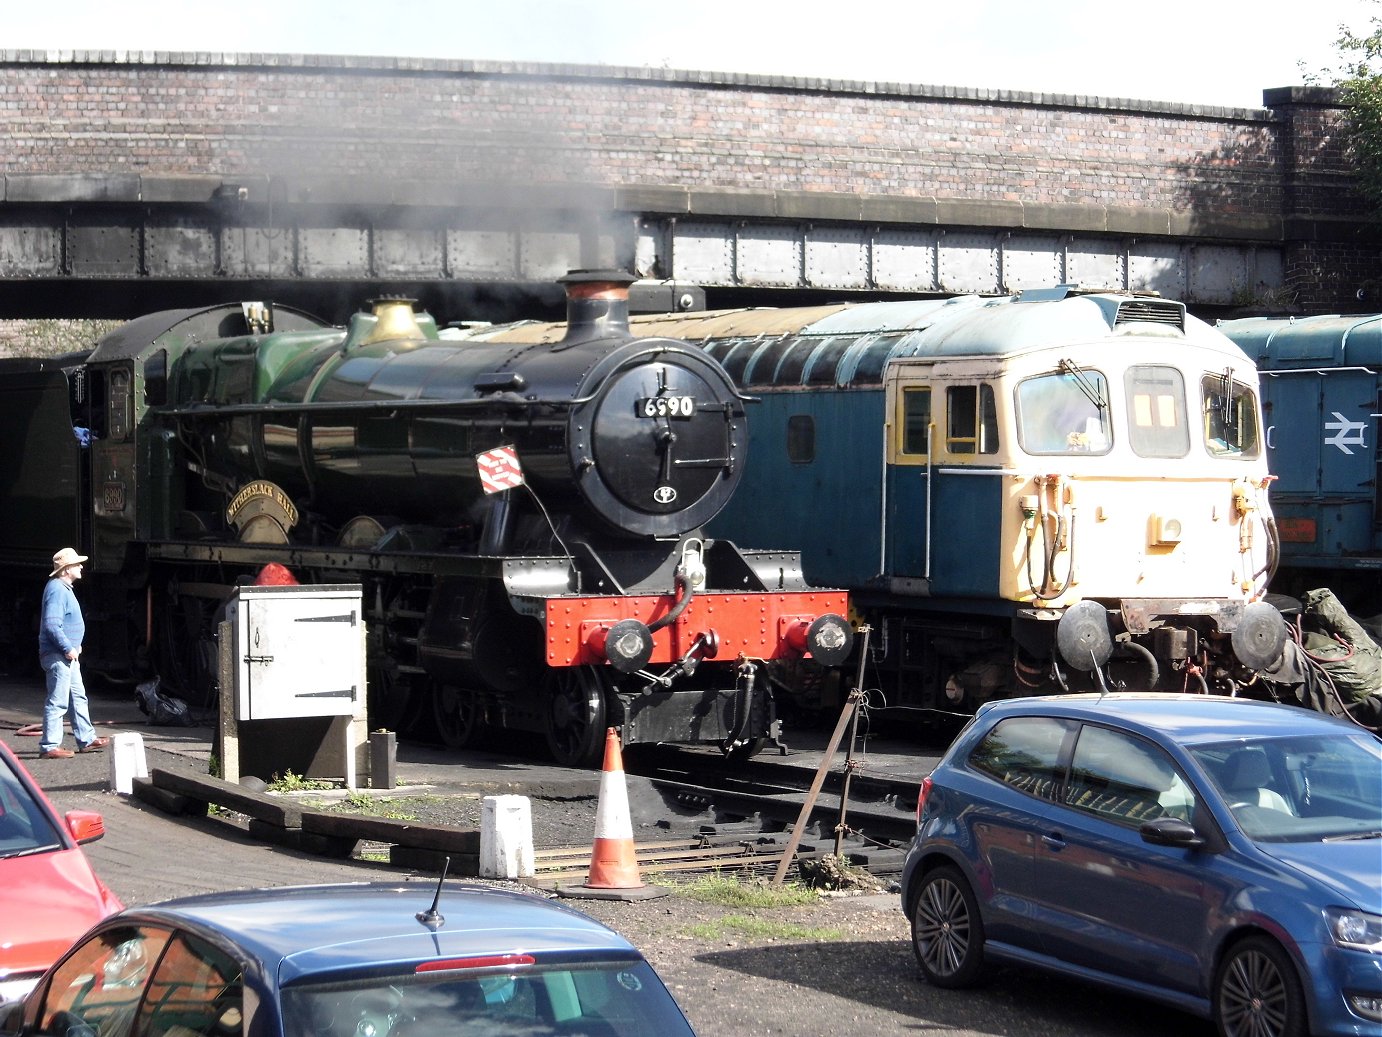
x: 297, y: 931
x: 1186, y: 719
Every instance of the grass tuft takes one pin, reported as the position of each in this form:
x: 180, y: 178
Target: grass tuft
x: 731, y: 891
x: 290, y: 782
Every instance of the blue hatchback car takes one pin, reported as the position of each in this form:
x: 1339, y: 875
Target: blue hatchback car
x: 350, y: 961
x: 1221, y: 855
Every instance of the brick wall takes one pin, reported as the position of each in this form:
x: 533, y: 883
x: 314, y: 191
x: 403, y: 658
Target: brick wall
x: 459, y: 122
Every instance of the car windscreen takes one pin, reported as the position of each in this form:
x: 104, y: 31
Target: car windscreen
x: 599, y: 999
x: 25, y: 826
x: 1299, y: 788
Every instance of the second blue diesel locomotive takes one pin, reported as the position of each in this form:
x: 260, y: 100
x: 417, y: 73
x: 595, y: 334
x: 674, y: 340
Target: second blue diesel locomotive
x: 1016, y: 491
x: 1322, y: 401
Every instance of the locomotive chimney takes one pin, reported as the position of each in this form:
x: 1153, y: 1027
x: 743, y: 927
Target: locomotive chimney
x: 393, y: 319
x: 597, y: 304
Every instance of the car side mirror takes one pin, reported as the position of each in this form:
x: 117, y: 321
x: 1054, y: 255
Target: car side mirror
x: 86, y: 826
x: 1171, y: 831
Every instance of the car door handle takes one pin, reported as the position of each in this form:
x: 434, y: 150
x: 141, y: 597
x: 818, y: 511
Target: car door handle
x: 1054, y: 840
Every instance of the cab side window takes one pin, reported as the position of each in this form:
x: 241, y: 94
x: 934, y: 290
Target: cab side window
x: 119, y: 404
x: 801, y: 438
x: 971, y: 419
x: 1230, y: 417
x: 1025, y: 753
x: 916, y: 420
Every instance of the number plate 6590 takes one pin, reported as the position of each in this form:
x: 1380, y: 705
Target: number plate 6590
x: 666, y: 407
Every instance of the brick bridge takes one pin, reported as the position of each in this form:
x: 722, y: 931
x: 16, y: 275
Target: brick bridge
x: 136, y: 181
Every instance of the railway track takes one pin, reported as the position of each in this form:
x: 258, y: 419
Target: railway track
x: 741, y: 815
x: 879, y: 806
x: 692, y: 854
x: 742, y: 848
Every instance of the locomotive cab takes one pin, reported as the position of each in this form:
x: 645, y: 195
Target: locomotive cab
x: 1036, y: 472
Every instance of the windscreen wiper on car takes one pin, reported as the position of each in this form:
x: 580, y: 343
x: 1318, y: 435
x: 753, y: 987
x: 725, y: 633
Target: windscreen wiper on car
x: 1350, y: 836
x: 30, y: 851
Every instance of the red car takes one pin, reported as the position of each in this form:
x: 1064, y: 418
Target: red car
x: 49, y: 895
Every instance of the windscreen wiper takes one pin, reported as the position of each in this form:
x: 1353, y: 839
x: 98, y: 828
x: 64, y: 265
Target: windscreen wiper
x: 1086, y: 386
x: 29, y: 851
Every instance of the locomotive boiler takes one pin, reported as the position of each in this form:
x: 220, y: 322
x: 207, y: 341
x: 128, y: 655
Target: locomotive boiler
x: 527, y: 523
x: 1322, y: 402
x: 1056, y: 490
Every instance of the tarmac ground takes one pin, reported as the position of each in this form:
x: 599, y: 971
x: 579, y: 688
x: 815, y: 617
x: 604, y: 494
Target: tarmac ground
x: 563, y: 799
x: 840, y: 965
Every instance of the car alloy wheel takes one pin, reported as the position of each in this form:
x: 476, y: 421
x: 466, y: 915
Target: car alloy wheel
x: 947, y: 932
x: 1257, y: 993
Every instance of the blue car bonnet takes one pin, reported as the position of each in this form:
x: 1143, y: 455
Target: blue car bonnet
x: 1353, y: 868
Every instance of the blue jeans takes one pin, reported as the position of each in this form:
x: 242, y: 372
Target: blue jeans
x: 66, y: 696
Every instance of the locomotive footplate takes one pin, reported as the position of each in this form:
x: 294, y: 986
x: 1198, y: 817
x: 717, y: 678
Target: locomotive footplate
x: 327, y: 559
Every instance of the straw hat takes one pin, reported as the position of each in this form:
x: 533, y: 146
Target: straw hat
x: 67, y: 556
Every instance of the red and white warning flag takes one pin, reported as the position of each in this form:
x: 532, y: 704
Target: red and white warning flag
x: 499, y: 469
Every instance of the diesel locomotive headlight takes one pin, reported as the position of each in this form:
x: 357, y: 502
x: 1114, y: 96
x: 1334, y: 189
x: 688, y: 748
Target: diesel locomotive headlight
x: 1356, y: 930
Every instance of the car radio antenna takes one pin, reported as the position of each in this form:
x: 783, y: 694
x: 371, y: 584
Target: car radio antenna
x: 432, y: 918
x: 1098, y: 675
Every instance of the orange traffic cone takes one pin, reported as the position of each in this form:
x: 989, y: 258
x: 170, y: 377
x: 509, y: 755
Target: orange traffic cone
x: 613, y: 864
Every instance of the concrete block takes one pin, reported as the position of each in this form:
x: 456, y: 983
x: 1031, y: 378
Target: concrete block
x: 506, y: 837
x: 127, y: 761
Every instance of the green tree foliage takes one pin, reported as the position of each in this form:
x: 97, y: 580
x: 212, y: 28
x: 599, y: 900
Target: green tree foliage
x: 1359, y: 81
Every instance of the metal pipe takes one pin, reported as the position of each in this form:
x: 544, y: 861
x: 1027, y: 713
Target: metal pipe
x: 883, y: 516
x: 930, y: 483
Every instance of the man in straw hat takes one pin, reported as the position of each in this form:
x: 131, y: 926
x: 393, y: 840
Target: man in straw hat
x: 60, y: 632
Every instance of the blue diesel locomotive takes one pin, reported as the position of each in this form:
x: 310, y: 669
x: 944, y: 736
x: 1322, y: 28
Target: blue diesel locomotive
x: 1322, y: 400
x: 1055, y: 490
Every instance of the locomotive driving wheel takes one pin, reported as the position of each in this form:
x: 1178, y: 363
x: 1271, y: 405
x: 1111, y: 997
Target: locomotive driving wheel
x: 575, y: 703
x: 456, y: 711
